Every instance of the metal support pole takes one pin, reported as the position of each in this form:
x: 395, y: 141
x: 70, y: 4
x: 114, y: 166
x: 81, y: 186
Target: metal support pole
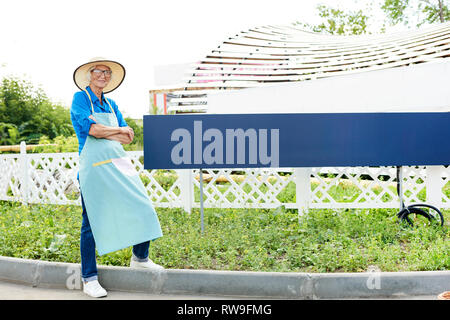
x: 201, y: 200
x: 400, y: 186
x: 434, y: 185
x: 186, y: 186
x: 302, y: 189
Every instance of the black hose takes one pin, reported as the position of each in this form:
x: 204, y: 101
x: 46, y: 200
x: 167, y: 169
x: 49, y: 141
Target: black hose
x: 414, y: 208
x: 439, y: 213
x: 403, y: 215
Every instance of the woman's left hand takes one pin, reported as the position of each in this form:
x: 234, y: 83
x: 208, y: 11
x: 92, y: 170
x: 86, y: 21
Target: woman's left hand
x: 129, y: 132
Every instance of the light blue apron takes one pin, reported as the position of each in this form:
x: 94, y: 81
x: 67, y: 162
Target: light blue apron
x: 118, y: 207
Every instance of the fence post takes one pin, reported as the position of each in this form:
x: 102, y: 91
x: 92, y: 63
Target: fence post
x: 302, y: 189
x: 23, y: 163
x: 186, y: 188
x: 433, y: 185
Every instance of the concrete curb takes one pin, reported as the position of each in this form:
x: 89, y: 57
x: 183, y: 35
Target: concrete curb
x: 231, y: 283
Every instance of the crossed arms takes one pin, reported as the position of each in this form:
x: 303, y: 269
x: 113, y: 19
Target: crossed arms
x: 124, y: 135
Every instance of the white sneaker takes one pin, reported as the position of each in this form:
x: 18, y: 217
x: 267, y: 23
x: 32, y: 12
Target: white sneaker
x: 149, y: 264
x: 94, y: 289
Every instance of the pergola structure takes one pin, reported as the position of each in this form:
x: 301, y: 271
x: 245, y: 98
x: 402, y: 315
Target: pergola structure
x: 276, y: 56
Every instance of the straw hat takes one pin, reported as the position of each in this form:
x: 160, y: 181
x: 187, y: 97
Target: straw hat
x: 80, y: 75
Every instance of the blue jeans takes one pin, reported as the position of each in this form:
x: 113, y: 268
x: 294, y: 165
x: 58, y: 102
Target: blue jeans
x: 87, y: 249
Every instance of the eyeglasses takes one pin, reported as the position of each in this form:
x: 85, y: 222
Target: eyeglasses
x: 98, y: 72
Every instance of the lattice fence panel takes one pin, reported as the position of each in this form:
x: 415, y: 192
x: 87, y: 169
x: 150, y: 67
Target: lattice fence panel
x: 414, y: 184
x: 52, y: 178
x: 163, y: 186
x: 365, y: 187
x: 10, y: 178
x: 243, y: 188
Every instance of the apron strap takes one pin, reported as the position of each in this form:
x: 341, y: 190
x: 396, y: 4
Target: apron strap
x: 110, y: 107
x: 89, y: 96
x: 92, y: 105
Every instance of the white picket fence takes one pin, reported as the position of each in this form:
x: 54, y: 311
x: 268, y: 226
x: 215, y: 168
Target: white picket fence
x: 52, y: 178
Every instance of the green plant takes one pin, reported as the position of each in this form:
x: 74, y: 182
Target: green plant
x: 30, y: 112
x: 59, y: 144
x: 243, y: 239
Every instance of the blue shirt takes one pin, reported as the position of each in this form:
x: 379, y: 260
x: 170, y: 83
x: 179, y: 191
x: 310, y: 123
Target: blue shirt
x: 81, y: 110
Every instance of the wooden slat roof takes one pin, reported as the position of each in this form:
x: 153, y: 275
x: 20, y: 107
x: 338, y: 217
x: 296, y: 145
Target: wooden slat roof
x: 266, y: 55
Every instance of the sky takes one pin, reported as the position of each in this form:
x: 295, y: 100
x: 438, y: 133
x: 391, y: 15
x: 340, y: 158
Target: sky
x: 45, y: 41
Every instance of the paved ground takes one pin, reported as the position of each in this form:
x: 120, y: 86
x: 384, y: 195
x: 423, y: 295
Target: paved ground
x: 14, y: 291
x: 24, y: 279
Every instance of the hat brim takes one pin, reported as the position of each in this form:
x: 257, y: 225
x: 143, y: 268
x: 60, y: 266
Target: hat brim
x: 118, y: 74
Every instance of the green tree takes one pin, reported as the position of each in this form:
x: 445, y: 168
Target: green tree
x: 30, y: 111
x: 138, y: 141
x: 59, y: 144
x: 339, y: 22
x: 9, y: 134
x: 423, y: 11
x: 406, y: 12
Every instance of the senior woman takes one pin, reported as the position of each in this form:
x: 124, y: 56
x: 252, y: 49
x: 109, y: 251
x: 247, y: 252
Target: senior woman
x: 117, y: 212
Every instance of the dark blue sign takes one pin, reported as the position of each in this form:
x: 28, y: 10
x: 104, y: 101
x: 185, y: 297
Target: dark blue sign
x: 296, y: 140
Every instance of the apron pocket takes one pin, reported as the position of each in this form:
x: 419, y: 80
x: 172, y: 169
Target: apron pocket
x: 125, y: 166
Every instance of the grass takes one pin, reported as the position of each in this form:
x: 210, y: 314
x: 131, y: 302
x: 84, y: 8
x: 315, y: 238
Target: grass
x: 243, y: 239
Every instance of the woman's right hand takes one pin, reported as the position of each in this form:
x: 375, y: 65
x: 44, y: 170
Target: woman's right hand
x: 120, y: 137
